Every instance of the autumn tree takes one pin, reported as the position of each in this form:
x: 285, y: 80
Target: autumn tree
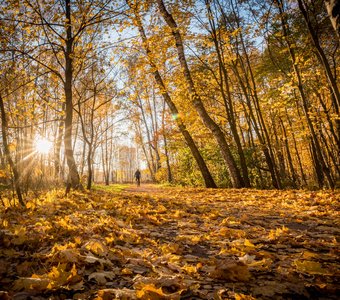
x: 59, y: 29
x: 167, y: 98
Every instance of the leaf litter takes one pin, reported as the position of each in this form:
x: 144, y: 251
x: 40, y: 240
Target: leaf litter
x: 172, y: 243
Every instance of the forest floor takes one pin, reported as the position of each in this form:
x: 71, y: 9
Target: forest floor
x: 155, y: 242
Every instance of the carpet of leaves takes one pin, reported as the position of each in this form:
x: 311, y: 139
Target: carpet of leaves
x: 172, y: 243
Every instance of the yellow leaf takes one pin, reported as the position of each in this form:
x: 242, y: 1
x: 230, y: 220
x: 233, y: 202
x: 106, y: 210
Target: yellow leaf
x: 150, y: 292
x: 243, y: 297
x: 309, y: 255
x: 77, y: 240
x: 127, y: 271
x: 190, y: 269
x: 96, y: 247
x: 249, y: 244
x: 21, y: 236
x: 310, y: 267
x: 231, y: 272
x: 30, y: 205
x: 28, y: 283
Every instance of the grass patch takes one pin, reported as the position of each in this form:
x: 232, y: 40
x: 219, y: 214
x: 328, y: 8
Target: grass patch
x: 112, y: 188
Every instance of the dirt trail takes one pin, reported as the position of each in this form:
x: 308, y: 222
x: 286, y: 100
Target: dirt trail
x: 144, y: 188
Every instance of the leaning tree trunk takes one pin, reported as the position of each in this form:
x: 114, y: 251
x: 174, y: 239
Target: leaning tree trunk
x: 4, y: 127
x: 315, y: 141
x: 73, y: 177
x: 320, y: 53
x: 234, y: 172
x: 226, y: 95
x: 209, y: 181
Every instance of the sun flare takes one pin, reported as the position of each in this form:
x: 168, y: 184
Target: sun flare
x: 43, y: 145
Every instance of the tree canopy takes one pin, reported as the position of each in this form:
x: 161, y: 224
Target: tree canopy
x: 221, y: 93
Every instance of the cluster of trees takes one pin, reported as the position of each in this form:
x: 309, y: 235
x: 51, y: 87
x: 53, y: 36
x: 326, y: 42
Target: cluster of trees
x: 57, y: 82
x: 221, y: 92
x: 251, y: 85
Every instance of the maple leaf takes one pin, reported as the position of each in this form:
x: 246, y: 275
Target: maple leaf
x: 96, y: 247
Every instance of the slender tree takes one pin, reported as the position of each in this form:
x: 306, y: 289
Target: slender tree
x: 209, y: 182
x: 197, y: 102
x: 4, y: 127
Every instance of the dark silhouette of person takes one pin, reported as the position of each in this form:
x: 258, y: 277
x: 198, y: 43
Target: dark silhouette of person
x: 137, y: 176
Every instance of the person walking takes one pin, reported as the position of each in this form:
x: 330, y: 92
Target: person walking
x: 137, y: 176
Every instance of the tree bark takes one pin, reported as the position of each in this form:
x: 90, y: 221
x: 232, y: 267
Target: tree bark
x: 59, y: 139
x: 4, y: 127
x: 289, y: 156
x: 167, y: 159
x: 73, y: 180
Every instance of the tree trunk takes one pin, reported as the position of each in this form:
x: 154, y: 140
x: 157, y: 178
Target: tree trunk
x: 73, y: 180
x: 149, y: 161
x: 149, y: 141
x: 4, y: 127
x: 289, y: 156
x: 258, y: 131
x: 59, y: 139
x: 209, y: 181
x: 317, y: 166
x: 234, y: 172
x: 89, y: 167
x: 315, y: 141
x: 226, y: 96
x: 320, y: 53
x: 168, y: 166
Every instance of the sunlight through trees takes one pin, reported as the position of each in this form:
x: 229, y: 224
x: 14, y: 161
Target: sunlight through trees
x: 221, y: 93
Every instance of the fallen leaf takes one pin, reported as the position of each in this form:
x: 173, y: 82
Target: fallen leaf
x: 102, y: 277
x: 122, y: 294
x: 150, y: 292
x: 231, y: 272
x: 96, y: 247
x: 29, y: 283
x: 310, y: 267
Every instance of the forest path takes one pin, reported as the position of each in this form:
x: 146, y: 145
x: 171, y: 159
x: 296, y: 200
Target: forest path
x: 145, y: 188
